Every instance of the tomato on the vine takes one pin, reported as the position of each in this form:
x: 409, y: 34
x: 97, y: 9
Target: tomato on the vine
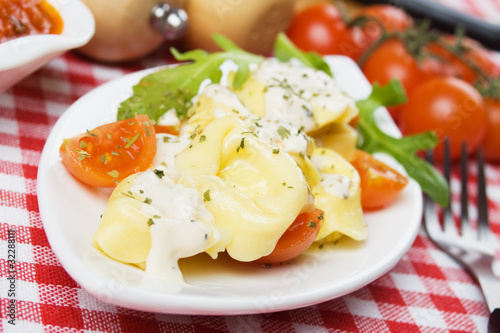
x: 297, y: 238
x: 386, y: 17
x: 391, y: 60
x: 320, y: 28
x: 380, y: 184
x: 323, y: 29
x: 109, y: 153
x: 449, y: 106
x: 472, y: 52
x: 491, y: 141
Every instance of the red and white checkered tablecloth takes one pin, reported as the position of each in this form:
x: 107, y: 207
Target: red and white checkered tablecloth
x: 425, y: 292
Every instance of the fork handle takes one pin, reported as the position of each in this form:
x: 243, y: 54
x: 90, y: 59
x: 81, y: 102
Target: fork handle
x: 494, y: 322
x: 489, y: 283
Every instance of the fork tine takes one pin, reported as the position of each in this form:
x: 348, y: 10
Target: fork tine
x: 464, y: 207
x: 431, y: 220
x: 476, y: 255
x: 482, y: 201
x: 448, y: 222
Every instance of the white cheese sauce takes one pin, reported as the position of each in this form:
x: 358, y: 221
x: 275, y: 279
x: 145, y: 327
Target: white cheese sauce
x: 274, y: 131
x: 294, y: 91
x: 167, y: 147
x: 222, y: 95
x: 169, y: 119
x: 180, y: 226
x: 336, y: 185
x: 279, y: 134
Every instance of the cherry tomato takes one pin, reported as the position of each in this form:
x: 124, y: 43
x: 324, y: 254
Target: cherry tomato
x: 390, y: 17
x: 109, y: 153
x: 297, y: 238
x: 473, y: 52
x: 321, y: 28
x: 392, y: 61
x: 380, y: 184
x: 449, y: 106
x: 491, y: 141
x: 382, y: 16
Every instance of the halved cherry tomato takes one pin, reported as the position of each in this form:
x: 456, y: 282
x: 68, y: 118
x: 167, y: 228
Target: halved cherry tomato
x: 109, y: 153
x: 297, y: 238
x: 174, y: 130
x: 491, y: 141
x: 449, y: 106
x: 380, y: 184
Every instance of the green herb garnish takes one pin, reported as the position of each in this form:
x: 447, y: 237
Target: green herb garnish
x: 193, y: 135
x: 242, y: 145
x: 159, y: 173
x: 90, y: 133
x: 283, y: 132
x: 134, y: 139
x: 82, y: 154
x: 128, y: 194
x: 114, y: 174
x: 206, y: 196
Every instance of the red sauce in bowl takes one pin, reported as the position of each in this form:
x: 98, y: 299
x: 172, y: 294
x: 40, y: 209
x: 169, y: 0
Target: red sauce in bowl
x: 20, y: 18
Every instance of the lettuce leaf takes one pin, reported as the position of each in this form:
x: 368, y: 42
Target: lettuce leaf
x: 175, y: 86
x: 284, y: 50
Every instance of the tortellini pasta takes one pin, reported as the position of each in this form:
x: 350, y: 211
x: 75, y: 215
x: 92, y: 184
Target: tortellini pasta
x: 151, y: 222
x: 340, y: 138
x: 339, y: 196
x: 215, y: 101
x: 290, y: 92
x: 245, y: 165
x: 252, y: 190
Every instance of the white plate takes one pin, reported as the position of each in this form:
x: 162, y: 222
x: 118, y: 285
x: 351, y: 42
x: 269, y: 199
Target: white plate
x: 24, y: 55
x: 70, y: 213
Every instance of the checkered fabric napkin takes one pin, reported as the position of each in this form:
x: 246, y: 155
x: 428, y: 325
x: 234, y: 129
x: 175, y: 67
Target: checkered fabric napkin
x: 488, y: 10
x: 425, y: 292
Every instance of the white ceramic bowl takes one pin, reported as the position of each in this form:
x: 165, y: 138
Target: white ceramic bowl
x: 70, y: 214
x: 22, y: 56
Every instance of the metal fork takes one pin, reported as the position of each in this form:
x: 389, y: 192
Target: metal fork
x: 473, y: 249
